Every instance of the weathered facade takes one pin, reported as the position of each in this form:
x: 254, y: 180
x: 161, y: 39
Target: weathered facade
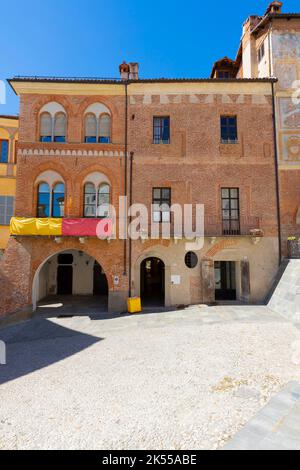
x: 194, y: 164
x: 270, y: 47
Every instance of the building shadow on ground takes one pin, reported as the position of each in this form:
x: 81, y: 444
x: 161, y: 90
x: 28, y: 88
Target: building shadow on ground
x: 37, y: 344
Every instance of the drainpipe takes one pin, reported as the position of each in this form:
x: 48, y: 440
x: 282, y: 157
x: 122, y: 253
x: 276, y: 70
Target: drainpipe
x: 125, y: 174
x: 130, y: 204
x: 277, y: 173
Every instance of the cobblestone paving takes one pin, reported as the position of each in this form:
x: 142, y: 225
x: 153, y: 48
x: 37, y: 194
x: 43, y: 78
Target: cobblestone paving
x: 189, y: 379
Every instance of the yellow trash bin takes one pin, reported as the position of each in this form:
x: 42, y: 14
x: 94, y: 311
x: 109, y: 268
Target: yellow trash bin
x: 134, y: 305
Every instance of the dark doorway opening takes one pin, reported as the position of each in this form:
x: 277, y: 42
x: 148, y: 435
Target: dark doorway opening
x: 100, y: 281
x: 153, y: 282
x: 64, y: 280
x: 225, y: 280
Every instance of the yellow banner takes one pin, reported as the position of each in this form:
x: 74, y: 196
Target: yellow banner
x: 35, y: 227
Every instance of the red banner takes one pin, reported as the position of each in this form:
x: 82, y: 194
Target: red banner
x: 101, y: 228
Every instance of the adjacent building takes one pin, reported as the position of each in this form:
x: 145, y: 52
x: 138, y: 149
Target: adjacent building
x: 8, y: 139
x: 270, y: 47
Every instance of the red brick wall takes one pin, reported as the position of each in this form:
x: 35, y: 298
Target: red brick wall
x: 195, y: 165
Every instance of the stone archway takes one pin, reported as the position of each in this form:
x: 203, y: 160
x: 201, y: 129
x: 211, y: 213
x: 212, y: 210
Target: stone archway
x: 69, y: 272
x: 161, y: 255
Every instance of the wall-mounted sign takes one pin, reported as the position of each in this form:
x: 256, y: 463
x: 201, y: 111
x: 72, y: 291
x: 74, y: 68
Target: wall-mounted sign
x: 176, y: 280
x: 116, y: 280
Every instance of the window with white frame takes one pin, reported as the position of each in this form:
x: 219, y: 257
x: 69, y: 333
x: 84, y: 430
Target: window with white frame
x: 53, y: 123
x: 97, y: 124
x: 96, y: 200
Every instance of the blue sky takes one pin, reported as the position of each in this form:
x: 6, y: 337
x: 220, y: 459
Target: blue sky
x: 92, y: 37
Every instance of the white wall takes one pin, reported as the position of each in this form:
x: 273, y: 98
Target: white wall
x: 83, y: 275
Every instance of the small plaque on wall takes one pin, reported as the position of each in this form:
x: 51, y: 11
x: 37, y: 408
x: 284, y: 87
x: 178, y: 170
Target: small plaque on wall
x: 176, y: 280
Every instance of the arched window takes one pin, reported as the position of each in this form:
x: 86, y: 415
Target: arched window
x: 60, y: 127
x: 96, y: 202
x: 43, y: 200
x: 58, y: 200
x: 89, y: 200
x: 103, y: 201
x: 104, y: 129
x: 45, y: 127
x: 90, y: 128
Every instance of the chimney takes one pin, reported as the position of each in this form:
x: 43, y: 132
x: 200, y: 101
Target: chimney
x: 124, y: 71
x: 274, y: 7
x: 134, y: 71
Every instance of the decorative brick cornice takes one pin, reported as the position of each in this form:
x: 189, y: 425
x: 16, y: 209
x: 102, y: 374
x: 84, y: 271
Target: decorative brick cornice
x: 42, y: 152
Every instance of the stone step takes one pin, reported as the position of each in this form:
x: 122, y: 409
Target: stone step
x: 276, y: 427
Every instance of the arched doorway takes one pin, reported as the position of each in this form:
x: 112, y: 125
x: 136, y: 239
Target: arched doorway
x: 68, y: 276
x: 153, y: 282
x: 100, y: 284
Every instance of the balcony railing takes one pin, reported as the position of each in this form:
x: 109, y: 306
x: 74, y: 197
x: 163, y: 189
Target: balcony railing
x: 245, y: 226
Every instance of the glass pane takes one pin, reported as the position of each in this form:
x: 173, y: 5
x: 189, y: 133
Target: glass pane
x: 44, y: 205
x: 234, y: 192
x: 104, y: 140
x: 104, y: 189
x: 90, y: 140
x: 225, y: 204
x: 156, y: 216
x: 89, y: 211
x: 59, y: 188
x: 157, y: 193
x: 225, y: 192
x: 166, y: 216
x: 46, y: 138
x: 44, y: 188
x: 166, y: 193
x: 58, y: 203
x: 89, y: 189
x: 59, y: 138
x: 4, y: 151
x: 234, y: 204
x: 234, y: 214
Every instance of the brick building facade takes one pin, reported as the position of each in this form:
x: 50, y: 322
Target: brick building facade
x: 193, y: 163
x: 216, y: 142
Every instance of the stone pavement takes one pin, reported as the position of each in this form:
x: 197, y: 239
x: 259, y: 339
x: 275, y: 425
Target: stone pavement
x: 184, y: 379
x: 276, y: 427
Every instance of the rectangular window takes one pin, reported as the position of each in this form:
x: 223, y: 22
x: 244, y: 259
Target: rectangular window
x: 261, y: 52
x: 161, y: 200
x: 6, y: 209
x: 231, y: 211
x: 229, y: 133
x: 3, y: 151
x: 161, y: 130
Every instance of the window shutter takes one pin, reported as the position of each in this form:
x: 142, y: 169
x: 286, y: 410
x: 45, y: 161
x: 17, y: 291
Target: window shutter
x: 60, y: 125
x: 104, y: 124
x: 46, y: 125
x: 90, y: 125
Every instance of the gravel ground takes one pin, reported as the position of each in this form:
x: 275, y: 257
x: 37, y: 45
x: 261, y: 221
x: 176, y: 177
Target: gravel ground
x: 178, y: 380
